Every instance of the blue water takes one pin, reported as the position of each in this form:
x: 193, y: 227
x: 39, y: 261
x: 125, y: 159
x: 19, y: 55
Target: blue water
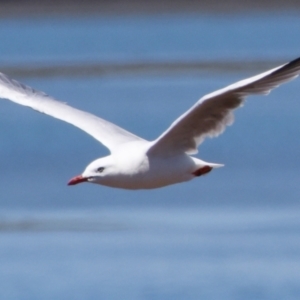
x: 233, y: 234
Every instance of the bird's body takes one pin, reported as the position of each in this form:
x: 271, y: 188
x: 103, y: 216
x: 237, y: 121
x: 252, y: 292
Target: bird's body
x: 132, y: 167
x: 135, y: 163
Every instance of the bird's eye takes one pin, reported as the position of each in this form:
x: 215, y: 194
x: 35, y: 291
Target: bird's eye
x: 100, y: 170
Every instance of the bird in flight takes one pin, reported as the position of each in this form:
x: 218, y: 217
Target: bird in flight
x: 135, y: 163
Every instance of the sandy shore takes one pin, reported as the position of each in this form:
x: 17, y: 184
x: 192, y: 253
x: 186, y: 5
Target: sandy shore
x: 35, y: 7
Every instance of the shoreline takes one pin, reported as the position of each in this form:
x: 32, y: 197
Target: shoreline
x: 106, y: 69
x: 119, y: 7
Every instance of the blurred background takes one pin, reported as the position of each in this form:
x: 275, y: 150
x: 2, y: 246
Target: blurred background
x: 233, y: 234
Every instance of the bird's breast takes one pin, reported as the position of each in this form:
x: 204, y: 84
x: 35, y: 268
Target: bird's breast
x: 149, y: 172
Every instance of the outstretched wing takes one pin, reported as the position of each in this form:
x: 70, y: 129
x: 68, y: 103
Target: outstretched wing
x: 110, y: 135
x: 213, y: 112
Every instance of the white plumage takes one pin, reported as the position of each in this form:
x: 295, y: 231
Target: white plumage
x: 135, y: 163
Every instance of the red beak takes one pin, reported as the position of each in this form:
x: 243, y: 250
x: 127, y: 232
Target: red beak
x: 77, y: 179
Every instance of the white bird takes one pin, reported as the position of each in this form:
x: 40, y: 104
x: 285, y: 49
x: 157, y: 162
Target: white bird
x: 136, y: 163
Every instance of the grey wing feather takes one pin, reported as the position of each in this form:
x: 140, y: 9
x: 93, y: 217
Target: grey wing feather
x: 214, y: 112
x: 109, y: 134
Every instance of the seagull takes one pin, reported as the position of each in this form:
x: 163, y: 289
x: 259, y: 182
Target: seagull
x: 135, y: 163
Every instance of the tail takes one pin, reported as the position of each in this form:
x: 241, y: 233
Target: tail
x: 214, y: 166
x: 203, y: 167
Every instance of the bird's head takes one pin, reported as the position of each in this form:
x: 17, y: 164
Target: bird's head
x: 95, y: 172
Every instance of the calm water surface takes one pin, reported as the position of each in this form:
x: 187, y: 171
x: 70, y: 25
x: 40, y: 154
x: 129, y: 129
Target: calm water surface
x: 233, y: 234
